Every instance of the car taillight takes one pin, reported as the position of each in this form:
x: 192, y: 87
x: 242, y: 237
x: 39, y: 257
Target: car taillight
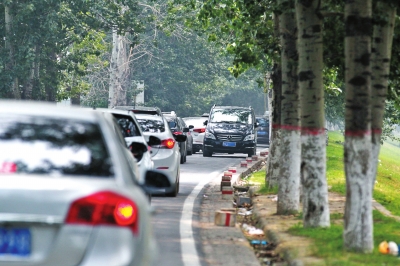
x: 178, y: 133
x: 168, y: 143
x: 104, y: 208
x: 200, y: 130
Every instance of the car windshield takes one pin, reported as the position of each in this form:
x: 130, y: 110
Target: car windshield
x: 53, y: 147
x: 127, y: 125
x: 151, y: 125
x: 262, y: 122
x: 231, y: 116
x: 195, y: 122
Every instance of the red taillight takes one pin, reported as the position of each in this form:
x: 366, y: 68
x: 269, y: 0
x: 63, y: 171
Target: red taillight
x: 104, y: 208
x: 200, y: 130
x: 178, y: 133
x: 168, y: 143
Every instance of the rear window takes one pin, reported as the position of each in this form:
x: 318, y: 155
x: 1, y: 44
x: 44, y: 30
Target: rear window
x: 197, y: 123
x: 172, y: 124
x: 150, y: 125
x: 262, y: 122
x: 127, y: 125
x: 54, y: 147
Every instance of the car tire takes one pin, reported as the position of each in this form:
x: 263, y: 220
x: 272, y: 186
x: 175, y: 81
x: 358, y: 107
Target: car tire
x: 251, y: 153
x: 189, y: 152
x: 207, y: 153
x: 175, y: 192
x: 182, y: 161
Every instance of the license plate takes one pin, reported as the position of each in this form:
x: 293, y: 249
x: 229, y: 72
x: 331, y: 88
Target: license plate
x: 228, y: 144
x: 261, y: 132
x: 15, y: 241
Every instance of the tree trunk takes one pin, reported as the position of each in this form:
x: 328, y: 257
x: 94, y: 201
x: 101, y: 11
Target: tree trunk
x: 9, y: 45
x: 51, y: 73
x: 313, y: 139
x: 289, y: 180
x: 273, y: 163
x: 272, y: 166
x: 358, y: 223
x: 29, y: 83
x: 119, y: 71
x: 381, y: 53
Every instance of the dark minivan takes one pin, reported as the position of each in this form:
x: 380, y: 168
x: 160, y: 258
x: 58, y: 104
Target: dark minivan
x: 262, y: 129
x: 230, y: 129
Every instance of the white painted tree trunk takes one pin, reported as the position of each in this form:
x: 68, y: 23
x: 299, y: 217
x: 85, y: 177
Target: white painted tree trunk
x: 313, y: 157
x: 289, y: 181
x: 315, y: 187
x: 358, y: 222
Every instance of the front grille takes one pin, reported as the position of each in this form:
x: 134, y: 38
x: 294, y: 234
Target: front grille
x: 228, y: 137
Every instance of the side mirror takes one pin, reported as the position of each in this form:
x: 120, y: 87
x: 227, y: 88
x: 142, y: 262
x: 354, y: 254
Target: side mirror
x: 153, y: 141
x: 180, y: 138
x: 205, y: 123
x: 191, y: 127
x: 137, y: 149
x: 155, y: 181
x: 185, y: 130
x: 256, y: 124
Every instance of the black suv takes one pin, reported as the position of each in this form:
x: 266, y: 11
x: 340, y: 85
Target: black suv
x: 178, y: 128
x: 230, y: 129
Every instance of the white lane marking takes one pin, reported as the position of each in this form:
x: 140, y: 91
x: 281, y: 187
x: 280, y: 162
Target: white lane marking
x: 190, y: 256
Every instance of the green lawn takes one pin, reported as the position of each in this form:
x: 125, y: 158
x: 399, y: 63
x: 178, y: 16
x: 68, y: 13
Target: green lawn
x: 329, y: 241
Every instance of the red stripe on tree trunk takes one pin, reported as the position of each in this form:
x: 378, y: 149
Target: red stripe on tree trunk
x: 227, y: 219
x: 312, y: 131
x: 377, y: 131
x: 357, y: 133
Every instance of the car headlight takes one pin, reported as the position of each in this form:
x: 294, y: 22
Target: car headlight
x: 249, y: 137
x: 209, y: 135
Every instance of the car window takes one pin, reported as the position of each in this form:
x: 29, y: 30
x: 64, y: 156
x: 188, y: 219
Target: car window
x: 54, y: 147
x: 150, y: 125
x: 231, y: 116
x: 196, y: 122
x: 128, y: 126
x: 263, y: 122
x: 172, y: 124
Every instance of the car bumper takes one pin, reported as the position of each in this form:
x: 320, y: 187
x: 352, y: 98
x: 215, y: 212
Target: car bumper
x: 240, y: 146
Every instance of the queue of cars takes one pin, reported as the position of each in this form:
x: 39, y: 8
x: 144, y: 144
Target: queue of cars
x: 70, y: 193
x: 76, y: 182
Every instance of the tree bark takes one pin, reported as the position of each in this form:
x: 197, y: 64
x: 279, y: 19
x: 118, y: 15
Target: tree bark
x: 273, y: 163
x: 290, y: 152
x: 381, y: 53
x: 358, y: 223
x: 313, y: 150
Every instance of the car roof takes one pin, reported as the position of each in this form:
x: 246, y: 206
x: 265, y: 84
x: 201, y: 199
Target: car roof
x: 194, y: 117
x: 46, y: 109
x: 232, y: 107
x: 114, y: 111
x: 147, y: 116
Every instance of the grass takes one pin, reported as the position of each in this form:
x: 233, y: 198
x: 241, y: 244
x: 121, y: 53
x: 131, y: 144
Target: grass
x: 329, y: 241
x: 258, y: 179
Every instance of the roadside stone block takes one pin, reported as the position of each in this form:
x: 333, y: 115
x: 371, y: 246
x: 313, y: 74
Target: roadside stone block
x: 226, y: 178
x: 232, y: 169
x: 243, y: 164
x: 249, y: 160
x: 254, y: 157
x: 225, y: 184
x: 264, y: 153
x: 225, y: 218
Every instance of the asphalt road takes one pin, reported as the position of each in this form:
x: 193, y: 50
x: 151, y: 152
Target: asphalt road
x: 175, y: 232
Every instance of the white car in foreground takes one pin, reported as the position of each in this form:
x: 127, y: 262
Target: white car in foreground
x: 68, y: 193
x: 166, y: 157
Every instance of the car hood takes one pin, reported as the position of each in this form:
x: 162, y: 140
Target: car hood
x: 231, y: 128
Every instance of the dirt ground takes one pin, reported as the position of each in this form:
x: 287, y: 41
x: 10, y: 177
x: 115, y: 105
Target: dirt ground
x: 276, y: 226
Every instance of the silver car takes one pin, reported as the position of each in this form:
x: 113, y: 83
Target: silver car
x: 166, y: 157
x: 68, y: 194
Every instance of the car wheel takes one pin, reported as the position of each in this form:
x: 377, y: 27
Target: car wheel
x: 251, y: 153
x: 190, y: 152
x: 182, y: 161
x: 207, y: 153
x: 175, y: 192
